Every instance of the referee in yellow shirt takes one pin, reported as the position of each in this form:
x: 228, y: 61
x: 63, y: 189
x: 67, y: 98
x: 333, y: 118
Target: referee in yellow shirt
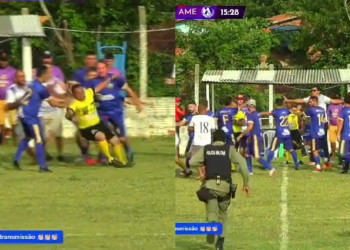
x: 83, y: 112
x: 293, y: 120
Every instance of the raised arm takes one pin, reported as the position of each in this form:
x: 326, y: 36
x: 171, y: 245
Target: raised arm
x: 294, y: 101
x: 134, y: 98
x: 104, y: 84
x: 336, y: 101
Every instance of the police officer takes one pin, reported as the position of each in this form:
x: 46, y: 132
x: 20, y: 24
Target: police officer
x: 217, y: 188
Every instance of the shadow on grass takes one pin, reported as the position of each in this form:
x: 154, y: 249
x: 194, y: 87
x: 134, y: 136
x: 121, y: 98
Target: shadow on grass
x: 184, y: 244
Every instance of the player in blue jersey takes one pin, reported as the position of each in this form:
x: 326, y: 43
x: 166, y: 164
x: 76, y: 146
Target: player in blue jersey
x: 225, y: 119
x: 31, y: 103
x: 283, y: 135
x: 343, y: 134
x: 317, y: 131
x: 255, y: 139
x: 111, y: 103
x: 191, y: 111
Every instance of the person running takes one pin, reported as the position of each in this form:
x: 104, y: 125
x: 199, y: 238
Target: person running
x: 83, y: 112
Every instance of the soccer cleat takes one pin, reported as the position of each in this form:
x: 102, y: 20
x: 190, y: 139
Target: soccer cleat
x: 272, y: 172
x: 90, y: 162
x: 317, y: 170
x: 45, y: 170
x: 344, y: 171
x: 16, y: 165
x: 210, y: 238
x: 219, y: 243
x: 251, y: 173
x: 287, y: 162
x: 311, y: 163
x: 301, y: 163
x: 115, y: 163
x: 327, y: 166
x: 297, y: 168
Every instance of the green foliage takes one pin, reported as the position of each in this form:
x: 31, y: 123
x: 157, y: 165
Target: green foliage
x: 108, y: 15
x: 221, y: 45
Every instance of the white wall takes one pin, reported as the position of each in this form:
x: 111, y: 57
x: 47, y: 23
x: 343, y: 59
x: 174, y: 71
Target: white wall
x: 159, y: 119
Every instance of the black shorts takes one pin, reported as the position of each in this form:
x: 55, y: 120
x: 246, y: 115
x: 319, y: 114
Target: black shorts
x: 90, y: 132
x: 296, y: 138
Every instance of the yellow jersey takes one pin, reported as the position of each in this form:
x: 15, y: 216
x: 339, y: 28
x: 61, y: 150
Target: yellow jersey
x: 293, y: 121
x: 239, y: 116
x: 86, y: 111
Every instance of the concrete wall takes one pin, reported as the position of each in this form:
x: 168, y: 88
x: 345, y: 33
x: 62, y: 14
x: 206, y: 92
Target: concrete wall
x: 158, y: 119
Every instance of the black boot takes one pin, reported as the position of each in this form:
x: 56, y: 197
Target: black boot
x: 345, y: 167
x: 210, y: 238
x: 220, y: 243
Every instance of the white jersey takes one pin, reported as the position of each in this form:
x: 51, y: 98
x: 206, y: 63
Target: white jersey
x: 15, y: 93
x: 203, y: 126
x: 46, y: 109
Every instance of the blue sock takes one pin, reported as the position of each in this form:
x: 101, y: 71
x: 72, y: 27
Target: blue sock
x: 295, y: 158
x: 265, y: 164
x: 249, y: 164
x: 40, y: 154
x: 317, y: 160
x: 23, y: 145
x: 270, y: 156
x: 128, y: 150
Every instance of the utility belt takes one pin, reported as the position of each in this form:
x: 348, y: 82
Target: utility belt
x: 204, y: 193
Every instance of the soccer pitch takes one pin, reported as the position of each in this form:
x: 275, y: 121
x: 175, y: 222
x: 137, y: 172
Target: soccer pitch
x: 96, y: 207
x: 315, y: 214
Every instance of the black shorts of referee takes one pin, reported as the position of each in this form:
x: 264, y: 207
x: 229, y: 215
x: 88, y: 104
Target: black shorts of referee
x: 90, y: 132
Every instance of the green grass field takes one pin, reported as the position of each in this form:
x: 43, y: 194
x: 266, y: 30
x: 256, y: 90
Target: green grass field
x: 96, y: 207
x: 318, y: 211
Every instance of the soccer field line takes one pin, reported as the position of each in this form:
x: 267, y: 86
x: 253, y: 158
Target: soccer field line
x: 284, y: 209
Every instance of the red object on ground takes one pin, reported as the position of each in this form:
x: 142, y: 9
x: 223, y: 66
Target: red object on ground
x: 90, y: 162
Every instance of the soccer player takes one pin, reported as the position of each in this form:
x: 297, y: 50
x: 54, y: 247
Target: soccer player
x: 343, y: 133
x: 111, y: 105
x: 255, y: 139
x: 81, y: 77
x: 31, y: 103
x: 225, y: 119
x: 7, y: 78
x: 241, y: 117
x: 317, y: 130
x: 192, y: 111
x: 293, y: 120
x: 333, y: 112
x: 283, y: 135
x: 203, y: 126
x: 83, y: 112
x: 52, y: 117
x: 13, y: 95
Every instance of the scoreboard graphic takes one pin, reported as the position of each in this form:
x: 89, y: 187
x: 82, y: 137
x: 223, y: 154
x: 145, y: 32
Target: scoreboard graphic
x: 209, y: 12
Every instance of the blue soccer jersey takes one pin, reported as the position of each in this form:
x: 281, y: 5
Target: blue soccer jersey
x: 225, y: 119
x: 255, y: 118
x: 345, y: 116
x: 281, y: 120
x: 38, y: 93
x: 318, y: 119
x: 111, y: 97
